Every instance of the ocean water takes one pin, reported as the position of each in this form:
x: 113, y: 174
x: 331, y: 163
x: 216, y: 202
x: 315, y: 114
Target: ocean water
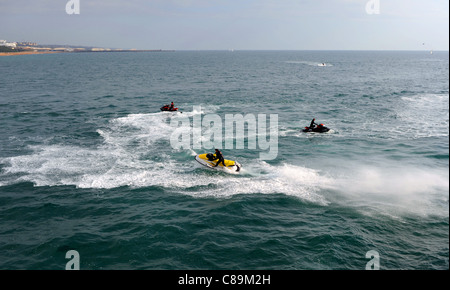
x: 87, y: 163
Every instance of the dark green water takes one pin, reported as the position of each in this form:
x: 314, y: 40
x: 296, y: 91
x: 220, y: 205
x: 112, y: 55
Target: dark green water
x: 87, y: 164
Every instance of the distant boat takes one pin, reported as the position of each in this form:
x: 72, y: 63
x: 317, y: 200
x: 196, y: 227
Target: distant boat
x: 431, y: 52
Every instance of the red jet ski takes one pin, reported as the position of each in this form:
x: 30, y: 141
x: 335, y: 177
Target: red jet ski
x: 167, y: 108
x: 317, y: 129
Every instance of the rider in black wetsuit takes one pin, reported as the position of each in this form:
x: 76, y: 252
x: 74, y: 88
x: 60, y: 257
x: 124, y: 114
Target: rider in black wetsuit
x: 220, y: 157
x: 311, y: 126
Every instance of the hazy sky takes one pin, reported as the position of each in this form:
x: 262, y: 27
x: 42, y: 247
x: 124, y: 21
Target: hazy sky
x: 231, y: 24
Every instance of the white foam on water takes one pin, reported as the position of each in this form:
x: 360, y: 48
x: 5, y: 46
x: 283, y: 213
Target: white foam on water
x: 120, y: 161
x: 394, y: 190
x: 310, y: 63
x: 391, y: 191
x: 423, y: 115
x: 136, y: 152
x: 201, y: 110
x: 262, y: 178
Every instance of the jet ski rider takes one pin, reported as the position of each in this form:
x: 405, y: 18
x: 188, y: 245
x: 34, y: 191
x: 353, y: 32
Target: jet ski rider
x: 220, y: 157
x: 313, y: 123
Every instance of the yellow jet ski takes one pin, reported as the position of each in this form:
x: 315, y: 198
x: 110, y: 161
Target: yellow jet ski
x: 209, y: 160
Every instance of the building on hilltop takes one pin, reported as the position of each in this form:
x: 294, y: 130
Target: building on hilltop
x: 8, y: 44
x: 26, y: 43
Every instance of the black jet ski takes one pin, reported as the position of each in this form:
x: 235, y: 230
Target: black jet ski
x: 316, y: 129
x: 166, y: 108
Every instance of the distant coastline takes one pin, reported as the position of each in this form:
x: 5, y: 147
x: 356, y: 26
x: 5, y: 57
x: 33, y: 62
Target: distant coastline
x: 23, y: 48
x: 127, y: 50
x: 28, y: 52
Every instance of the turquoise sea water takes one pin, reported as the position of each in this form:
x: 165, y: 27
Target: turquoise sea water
x: 86, y: 161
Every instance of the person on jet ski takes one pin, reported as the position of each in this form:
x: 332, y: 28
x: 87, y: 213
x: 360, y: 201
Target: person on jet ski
x: 313, y: 123
x: 220, y: 157
x: 172, y: 106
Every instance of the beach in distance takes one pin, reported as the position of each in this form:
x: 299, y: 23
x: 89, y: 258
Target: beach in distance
x: 26, y: 52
